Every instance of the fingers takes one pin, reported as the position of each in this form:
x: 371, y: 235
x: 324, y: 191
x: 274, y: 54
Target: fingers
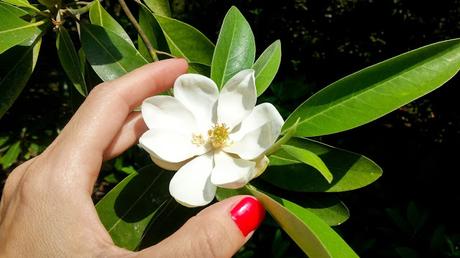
x: 220, y: 230
x: 103, y: 113
x: 129, y: 134
x: 101, y: 127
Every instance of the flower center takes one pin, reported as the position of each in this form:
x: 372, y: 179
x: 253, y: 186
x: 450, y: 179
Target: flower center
x: 218, y: 135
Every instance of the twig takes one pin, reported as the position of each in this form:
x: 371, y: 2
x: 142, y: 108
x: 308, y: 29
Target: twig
x: 152, y: 51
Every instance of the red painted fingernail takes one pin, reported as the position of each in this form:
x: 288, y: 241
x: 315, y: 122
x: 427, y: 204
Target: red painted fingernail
x: 248, y: 214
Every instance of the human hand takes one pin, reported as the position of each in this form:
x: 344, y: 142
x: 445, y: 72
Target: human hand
x: 47, y: 210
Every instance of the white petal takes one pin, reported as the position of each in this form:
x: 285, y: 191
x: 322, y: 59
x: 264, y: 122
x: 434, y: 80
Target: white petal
x: 231, y: 172
x: 191, y: 185
x: 167, y: 165
x: 199, y: 94
x: 253, y: 144
x: 169, y: 145
x: 166, y: 112
x: 262, y: 114
x: 237, y: 98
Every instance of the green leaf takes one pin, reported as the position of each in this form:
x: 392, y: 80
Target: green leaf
x: 16, y: 66
x: 3, y: 140
x: 153, y: 32
x: 350, y: 170
x: 199, y: 69
x: 99, y: 16
x: 309, y: 158
x: 109, y: 54
x: 266, y: 66
x: 129, y: 207
x: 14, y: 30
x: 309, y: 232
x: 235, y: 48
x: 11, y: 155
x: 13, y: 9
x: 328, y: 208
x: 82, y: 60
x: 160, y: 7
x: 70, y: 60
x: 21, y: 3
x: 186, y: 41
x: 377, y: 90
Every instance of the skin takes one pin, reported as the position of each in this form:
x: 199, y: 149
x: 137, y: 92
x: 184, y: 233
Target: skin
x: 46, y: 209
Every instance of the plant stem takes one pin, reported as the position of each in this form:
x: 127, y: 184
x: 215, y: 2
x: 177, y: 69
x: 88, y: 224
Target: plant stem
x: 286, y: 137
x: 152, y: 51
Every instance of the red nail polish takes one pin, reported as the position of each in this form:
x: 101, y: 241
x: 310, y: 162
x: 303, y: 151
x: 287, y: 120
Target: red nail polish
x: 248, y: 214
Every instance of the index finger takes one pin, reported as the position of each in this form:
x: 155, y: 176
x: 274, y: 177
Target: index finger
x: 100, y: 117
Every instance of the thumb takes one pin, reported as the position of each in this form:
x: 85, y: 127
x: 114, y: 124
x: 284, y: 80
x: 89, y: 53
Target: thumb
x: 220, y: 230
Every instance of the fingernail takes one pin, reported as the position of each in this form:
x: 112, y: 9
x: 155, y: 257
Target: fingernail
x: 248, y: 214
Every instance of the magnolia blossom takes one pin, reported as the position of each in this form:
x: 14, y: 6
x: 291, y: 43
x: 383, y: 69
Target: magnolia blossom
x: 214, y: 139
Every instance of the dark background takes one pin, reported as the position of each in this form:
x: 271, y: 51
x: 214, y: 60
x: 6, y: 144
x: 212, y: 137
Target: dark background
x: 412, y: 210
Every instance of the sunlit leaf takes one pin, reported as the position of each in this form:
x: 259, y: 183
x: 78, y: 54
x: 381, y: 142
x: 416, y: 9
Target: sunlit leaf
x: 16, y: 66
x: 128, y: 209
x: 266, y: 66
x: 99, y: 16
x: 328, y: 208
x: 186, y: 41
x: 350, y: 170
x: 377, y: 90
x: 21, y: 3
x: 309, y: 232
x: 14, y: 30
x: 109, y: 54
x: 11, y: 155
x: 70, y: 60
x: 160, y: 7
x: 235, y: 48
x: 310, y: 158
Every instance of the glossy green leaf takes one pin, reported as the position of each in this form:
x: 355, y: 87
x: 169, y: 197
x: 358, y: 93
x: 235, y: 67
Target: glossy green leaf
x: 153, y: 31
x: 70, y: 60
x: 199, y: 69
x: 266, y: 66
x: 350, y: 170
x: 16, y: 66
x: 309, y: 232
x: 14, y: 30
x: 186, y: 41
x: 109, y: 54
x: 21, y: 3
x: 14, y: 10
x: 128, y: 209
x: 99, y: 16
x: 328, y: 208
x: 160, y: 7
x: 11, y: 155
x: 310, y: 158
x: 377, y: 90
x: 235, y: 48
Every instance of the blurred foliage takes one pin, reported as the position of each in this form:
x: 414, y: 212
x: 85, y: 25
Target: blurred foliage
x: 409, y: 212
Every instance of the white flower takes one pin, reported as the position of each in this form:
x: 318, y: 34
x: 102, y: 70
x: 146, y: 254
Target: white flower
x: 213, y: 139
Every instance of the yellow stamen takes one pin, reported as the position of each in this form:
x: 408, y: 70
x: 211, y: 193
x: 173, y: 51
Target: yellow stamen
x: 218, y: 135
